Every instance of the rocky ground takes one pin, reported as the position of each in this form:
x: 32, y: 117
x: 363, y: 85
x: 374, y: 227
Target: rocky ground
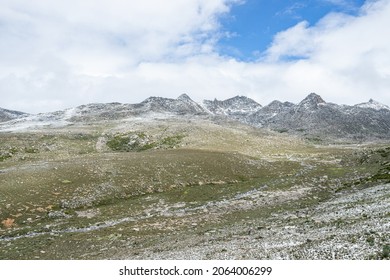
x: 350, y: 226
x: 190, y: 189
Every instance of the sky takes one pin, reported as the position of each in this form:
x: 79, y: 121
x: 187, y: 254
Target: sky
x: 60, y: 54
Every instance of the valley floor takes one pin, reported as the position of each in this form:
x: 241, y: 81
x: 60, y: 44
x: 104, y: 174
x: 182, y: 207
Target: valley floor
x: 190, y: 190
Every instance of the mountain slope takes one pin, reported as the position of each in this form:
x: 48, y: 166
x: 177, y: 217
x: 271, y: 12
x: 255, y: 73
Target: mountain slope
x: 105, y: 112
x: 313, y: 116
x: 6, y: 115
x: 183, y: 105
x: 265, y: 114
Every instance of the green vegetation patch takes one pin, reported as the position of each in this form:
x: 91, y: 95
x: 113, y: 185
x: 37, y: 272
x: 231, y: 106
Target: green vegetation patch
x: 385, y: 255
x: 7, y: 152
x: 4, y: 156
x: 140, y: 141
x: 381, y: 158
x: 31, y: 150
x: 314, y: 139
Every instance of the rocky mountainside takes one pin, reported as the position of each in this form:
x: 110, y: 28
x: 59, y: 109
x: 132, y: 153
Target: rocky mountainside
x: 6, y: 115
x: 96, y: 112
x: 236, y: 107
x: 264, y: 115
x: 312, y: 117
x: 183, y: 105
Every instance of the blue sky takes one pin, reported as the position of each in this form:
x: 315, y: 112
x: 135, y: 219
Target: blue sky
x: 64, y: 53
x: 253, y: 24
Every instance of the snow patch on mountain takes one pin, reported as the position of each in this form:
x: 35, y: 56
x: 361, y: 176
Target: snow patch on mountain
x: 372, y: 104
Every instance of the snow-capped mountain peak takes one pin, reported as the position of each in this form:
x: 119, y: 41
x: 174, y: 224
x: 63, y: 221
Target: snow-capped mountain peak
x: 372, y: 104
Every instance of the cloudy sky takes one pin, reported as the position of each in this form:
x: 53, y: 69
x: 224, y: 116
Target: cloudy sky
x: 57, y: 54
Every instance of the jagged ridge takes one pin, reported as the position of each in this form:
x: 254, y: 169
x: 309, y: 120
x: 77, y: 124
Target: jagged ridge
x: 235, y: 106
x: 312, y: 116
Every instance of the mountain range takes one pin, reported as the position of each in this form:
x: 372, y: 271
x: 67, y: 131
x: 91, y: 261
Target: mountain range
x: 311, y: 117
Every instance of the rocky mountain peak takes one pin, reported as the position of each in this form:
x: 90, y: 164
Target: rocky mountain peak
x: 237, y: 105
x: 182, y: 105
x: 313, y: 98
x: 240, y: 98
x: 243, y: 100
x: 277, y: 105
x: 184, y: 97
x: 311, y: 101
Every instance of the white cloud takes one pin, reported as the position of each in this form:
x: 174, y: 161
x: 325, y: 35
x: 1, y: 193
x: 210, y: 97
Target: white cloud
x: 347, y: 57
x: 107, y: 32
x: 57, y: 54
x: 44, y: 43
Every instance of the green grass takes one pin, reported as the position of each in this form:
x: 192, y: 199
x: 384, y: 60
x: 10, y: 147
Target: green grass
x: 3, y: 157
